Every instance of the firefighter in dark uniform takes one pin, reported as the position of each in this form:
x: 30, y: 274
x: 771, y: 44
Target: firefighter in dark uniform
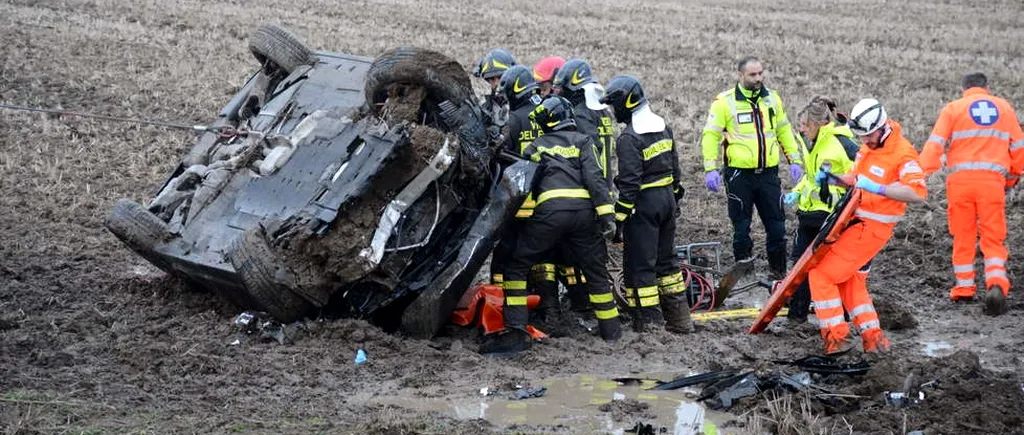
x: 490, y: 68
x: 518, y: 89
x: 575, y: 82
x: 573, y: 212
x: 646, y: 209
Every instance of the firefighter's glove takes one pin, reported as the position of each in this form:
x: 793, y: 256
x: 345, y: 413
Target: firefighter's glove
x: 622, y: 212
x: 607, y: 226
x: 790, y: 198
x: 795, y: 172
x: 678, y: 191
x: 867, y: 184
x: 619, y: 227
x: 713, y: 180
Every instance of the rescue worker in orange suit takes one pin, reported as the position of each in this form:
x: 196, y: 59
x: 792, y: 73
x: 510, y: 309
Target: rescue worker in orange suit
x: 984, y: 147
x: 544, y: 72
x: 888, y: 175
x: 573, y: 212
x: 518, y: 89
x: 750, y: 121
x: 575, y: 81
x: 646, y: 209
x: 826, y: 141
x: 490, y: 69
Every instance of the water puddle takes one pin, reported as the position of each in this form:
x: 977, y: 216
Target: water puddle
x: 937, y: 348
x: 584, y: 404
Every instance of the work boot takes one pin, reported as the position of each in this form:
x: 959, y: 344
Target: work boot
x: 995, y: 301
x: 777, y: 265
x: 962, y: 294
x: 676, y: 311
x: 836, y: 343
x: 875, y: 341
x: 610, y: 329
x: 508, y: 342
x: 646, y: 318
x: 744, y: 267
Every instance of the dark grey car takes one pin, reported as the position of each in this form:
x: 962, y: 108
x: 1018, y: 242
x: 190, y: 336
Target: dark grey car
x: 331, y: 180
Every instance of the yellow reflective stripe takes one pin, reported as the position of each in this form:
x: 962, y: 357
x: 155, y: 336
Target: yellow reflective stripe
x: 568, y: 270
x: 625, y: 204
x: 610, y: 313
x: 644, y: 292
x: 601, y: 298
x: 497, y: 278
x: 563, y: 193
x: 571, y: 280
x: 543, y: 267
x: 672, y: 289
x: 548, y: 276
x: 670, y: 279
x: 605, y: 209
x: 515, y: 285
x: 662, y: 182
x: 524, y: 213
x: 620, y: 217
x: 515, y: 300
x: 650, y: 301
x: 657, y: 148
x: 569, y: 152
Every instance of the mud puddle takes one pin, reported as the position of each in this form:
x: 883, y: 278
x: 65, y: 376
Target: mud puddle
x: 582, y: 404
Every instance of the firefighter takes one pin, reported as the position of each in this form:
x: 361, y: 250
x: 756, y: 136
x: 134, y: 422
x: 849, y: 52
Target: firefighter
x: 575, y: 81
x: 573, y: 212
x: 984, y: 149
x: 490, y: 69
x: 544, y: 72
x: 749, y: 121
x: 887, y: 173
x: 826, y: 142
x: 518, y: 89
x: 646, y: 209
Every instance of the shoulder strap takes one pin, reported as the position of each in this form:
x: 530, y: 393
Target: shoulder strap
x: 849, y: 146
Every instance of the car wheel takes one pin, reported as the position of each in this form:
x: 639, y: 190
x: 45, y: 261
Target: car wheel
x: 275, y: 45
x: 268, y: 282
x: 443, y: 78
x: 141, y: 230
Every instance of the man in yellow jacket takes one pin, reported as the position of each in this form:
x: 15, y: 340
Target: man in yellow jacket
x: 749, y: 121
x: 827, y: 143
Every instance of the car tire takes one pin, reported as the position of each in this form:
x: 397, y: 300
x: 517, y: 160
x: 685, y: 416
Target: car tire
x: 267, y: 280
x: 443, y: 78
x: 274, y: 44
x: 141, y: 230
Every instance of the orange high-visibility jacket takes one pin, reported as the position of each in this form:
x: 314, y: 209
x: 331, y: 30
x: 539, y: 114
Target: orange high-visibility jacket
x: 894, y: 161
x: 978, y: 132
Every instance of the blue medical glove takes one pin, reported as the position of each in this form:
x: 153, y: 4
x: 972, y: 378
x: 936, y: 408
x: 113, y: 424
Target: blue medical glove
x: 712, y: 180
x: 867, y: 184
x: 795, y: 172
x: 790, y: 198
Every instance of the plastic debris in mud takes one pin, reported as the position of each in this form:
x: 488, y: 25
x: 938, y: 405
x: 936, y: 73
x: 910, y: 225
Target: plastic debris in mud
x: 646, y: 429
x: 360, y: 356
x: 527, y: 393
x: 258, y: 322
x: 828, y: 365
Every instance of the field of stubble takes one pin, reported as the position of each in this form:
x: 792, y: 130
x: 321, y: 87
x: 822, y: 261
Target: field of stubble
x: 93, y: 340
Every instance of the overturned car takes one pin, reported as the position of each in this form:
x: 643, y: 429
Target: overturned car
x: 366, y: 186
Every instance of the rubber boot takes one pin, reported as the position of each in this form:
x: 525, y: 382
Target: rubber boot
x: 547, y: 310
x: 875, y: 341
x: 509, y: 341
x: 610, y: 329
x: 836, y: 344
x: 995, y: 301
x: 646, y: 318
x: 677, y: 313
x: 799, y: 305
x: 777, y: 265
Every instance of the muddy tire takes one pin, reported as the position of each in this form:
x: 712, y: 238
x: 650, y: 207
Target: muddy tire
x: 267, y: 280
x: 273, y: 44
x: 443, y: 78
x: 141, y: 230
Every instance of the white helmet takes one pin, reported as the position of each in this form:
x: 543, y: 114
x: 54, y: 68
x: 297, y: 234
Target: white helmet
x: 867, y: 116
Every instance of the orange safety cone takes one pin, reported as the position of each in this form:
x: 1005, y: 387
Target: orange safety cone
x: 483, y: 305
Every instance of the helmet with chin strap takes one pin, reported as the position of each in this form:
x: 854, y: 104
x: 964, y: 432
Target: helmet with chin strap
x: 867, y: 116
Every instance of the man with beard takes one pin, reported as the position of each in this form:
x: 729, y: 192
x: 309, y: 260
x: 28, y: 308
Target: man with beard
x: 750, y: 123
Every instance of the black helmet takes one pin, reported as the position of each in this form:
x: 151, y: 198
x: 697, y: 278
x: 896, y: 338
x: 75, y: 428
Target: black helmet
x: 625, y: 95
x: 494, y: 64
x: 573, y: 75
x: 554, y: 114
x: 517, y: 85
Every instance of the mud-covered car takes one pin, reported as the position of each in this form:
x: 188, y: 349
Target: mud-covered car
x: 366, y: 186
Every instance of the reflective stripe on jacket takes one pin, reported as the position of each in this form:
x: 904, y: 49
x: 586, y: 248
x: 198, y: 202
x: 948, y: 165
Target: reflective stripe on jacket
x: 646, y: 161
x: 570, y: 178
x: 894, y: 161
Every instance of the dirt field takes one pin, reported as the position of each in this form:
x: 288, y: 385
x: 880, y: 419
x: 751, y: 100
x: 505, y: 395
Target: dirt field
x: 94, y: 340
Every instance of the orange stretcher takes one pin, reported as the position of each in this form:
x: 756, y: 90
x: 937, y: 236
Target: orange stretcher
x: 483, y: 305
x: 834, y: 225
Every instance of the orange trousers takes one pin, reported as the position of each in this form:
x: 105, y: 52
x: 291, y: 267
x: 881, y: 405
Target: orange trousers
x: 977, y: 203
x: 839, y: 282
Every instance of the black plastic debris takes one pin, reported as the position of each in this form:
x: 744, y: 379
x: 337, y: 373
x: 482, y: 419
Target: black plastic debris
x: 646, y: 429
x: 702, y: 378
x: 828, y: 365
x: 258, y: 322
x: 721, y: 394
x: 527, y: 393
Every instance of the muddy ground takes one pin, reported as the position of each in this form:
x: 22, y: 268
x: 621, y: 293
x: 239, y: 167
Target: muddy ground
x: 93, y: 340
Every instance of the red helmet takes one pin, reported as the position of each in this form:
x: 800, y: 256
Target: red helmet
x: 545, y: 69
